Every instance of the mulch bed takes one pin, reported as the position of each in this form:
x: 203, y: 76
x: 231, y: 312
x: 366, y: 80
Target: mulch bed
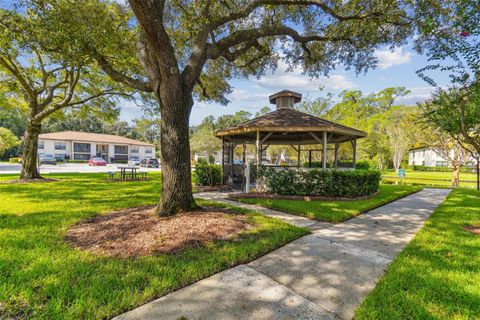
x: 139, y: 231
x: 294, y: 197
x: 472, y: 229
x: 20, y: 181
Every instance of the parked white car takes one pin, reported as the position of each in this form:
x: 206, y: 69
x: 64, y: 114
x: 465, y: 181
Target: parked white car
x: 134, y: 162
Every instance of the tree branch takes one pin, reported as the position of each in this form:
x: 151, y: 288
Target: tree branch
x: 51, y: 92
x: 245, y: 11
x: 11, y: 66
x: 119, y: 77
x: 73, y: 76
x: 221, y: 48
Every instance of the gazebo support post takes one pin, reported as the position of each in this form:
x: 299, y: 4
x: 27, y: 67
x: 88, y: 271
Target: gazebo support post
x: 309, y: 158
x: 324, y: 151
x: 354, y: 145
x: 298, y: 157
x: 336, y: 155
x: 223, y: 160
x: 244, y: 165
x: 230, y: 157
x: 259, y: 151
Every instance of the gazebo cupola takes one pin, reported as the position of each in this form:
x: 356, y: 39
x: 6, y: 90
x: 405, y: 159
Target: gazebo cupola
x: 286, y: 126
x: 285, y: 99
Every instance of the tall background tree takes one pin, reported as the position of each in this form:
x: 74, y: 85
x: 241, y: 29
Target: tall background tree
x: 400, y: 131
x: 456, y: 112
x: 46, y: 75
x: 453, y: 47
x: 7, y: 140
x: 376, y: 114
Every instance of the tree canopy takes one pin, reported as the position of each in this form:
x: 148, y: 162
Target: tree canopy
x: 456, y: 111
x: 7, y: 140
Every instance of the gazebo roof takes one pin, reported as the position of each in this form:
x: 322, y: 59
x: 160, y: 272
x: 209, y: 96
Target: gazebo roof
x: 289, y: 120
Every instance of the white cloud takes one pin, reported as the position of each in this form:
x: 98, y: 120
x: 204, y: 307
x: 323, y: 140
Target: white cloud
x: 387, y: 58
x: 130, y: 106
x: 295, y: 80
x: 242, y: 95
x: 416, y: 94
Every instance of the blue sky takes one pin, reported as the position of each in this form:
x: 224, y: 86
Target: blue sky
x: 396, y: 67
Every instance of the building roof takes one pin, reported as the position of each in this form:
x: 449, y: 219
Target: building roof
x: 91, y: 137
x: 289, y: 120
x: 419, y: 148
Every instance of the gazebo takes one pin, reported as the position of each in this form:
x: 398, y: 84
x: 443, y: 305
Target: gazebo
x: 285, y: 126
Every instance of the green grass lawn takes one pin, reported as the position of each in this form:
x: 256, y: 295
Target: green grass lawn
x: 437, y: 276
x: 429, y: 178
x: 335, y: 211
x: 42, y: 277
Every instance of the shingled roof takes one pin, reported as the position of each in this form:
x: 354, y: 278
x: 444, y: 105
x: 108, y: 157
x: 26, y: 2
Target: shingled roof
x: 289, y: 120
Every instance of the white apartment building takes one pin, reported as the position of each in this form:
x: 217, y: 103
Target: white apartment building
x: 428, y: 157
x: 83, y: 145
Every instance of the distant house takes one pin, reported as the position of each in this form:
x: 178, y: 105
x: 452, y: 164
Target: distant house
x: 428, y: 157
x: 78, y: 145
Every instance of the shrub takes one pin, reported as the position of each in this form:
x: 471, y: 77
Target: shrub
x: 14, y: 160
x: 362, y: 165
x: 207, y: 174
x: 328, y: 183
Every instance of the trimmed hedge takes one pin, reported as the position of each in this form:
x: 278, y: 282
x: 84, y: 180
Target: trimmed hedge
x: 207, y: 174
x: 328, y: 183
x: 14, y: 160
x: 439, y: 169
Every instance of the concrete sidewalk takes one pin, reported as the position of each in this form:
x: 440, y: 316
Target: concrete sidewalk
x: 324, y: 275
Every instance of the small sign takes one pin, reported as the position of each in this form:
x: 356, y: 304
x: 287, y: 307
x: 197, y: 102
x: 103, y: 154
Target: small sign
x: 402, y: 173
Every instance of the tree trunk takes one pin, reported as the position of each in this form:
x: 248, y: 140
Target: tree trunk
x: 176, y: 170
x: 456, y: 176
x: 30, y: 152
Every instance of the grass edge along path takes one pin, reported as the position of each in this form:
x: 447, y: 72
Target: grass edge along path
x: 436, y: 276
x: 42, y: 277
x: 335, y: 211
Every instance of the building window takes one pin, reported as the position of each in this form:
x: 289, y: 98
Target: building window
x: 121, y: 157
x: 60, y: 156
x: 441, y: 164
x: 121, y: 150
x: 134, y: 149
x: 41, y: 144
x: 81, y: 147
x: 148, y: 151
x: 81, y: 156
x: 60, y: 146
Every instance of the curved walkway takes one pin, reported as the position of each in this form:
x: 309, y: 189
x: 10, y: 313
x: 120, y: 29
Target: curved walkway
x: 324, y: 275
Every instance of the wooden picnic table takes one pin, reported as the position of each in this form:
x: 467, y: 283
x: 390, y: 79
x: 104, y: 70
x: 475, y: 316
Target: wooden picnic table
x: 132, y: 172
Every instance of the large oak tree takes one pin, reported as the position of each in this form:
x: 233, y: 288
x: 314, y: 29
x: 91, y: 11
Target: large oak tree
x: 46, y: 75
x: 190, y: 49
